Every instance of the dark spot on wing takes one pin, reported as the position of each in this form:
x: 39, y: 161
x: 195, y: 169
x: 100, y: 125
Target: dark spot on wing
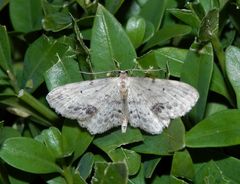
x: 60, y: 97
x: 131, y: 112
x: 76, y: 108
x: 163, y: 89
x: 119, y: 111
x: 169, y: 107
x: 81, y: 91
x: 91, y: 83
x: 149, y: 89
x: 157, y: 107
x: 91, y: 110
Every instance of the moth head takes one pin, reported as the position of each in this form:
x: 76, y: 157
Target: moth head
x: 123, y: 74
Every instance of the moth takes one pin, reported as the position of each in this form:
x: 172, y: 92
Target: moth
x: 145, y: 103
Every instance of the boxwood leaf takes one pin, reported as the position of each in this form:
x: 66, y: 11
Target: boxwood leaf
x: 139, y: 178
x: 188, y: 17
x: 131, y: 158
x: 214, y: 107
x: 76, y: 139
x: 5, y: 52
x: 168, y: 179
x: 40, y: 56
x: 28, y: 155
x: 7, y: 132
x: 64, y: 71
x: 182, y: 165
x: 85, y: 165
x: 57, y: 21
x: 107, y: 173
x: 135, y: 29
x: 53, y: 140
x: 150, y: 166
x: 233, y: 67
x: 116, y: 139
x: 197, y: 71
x: 153, y: 11
x: 212, y: 173
x: 113, y: 6
x: 170, y: 140
x: 166, y: 33
x: 110, y: 45
x: 218, y: 84
x: 26, y: 15
x: 217, y: 130
x: 229, y: 166
x: 171, y: 56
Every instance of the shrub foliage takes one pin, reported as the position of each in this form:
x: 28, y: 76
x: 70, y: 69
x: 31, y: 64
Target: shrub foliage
x: 48, y: 43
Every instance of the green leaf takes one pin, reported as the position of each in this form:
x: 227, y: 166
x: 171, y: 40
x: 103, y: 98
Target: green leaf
x: 233, y: 67
x: 88, y: 6
x: 77, y: 179
x: 57, y: 180
x: 116, y: 139
x: 170, y: 140
x: 218, y: 130
x: 26, y: 15
x: 37, y: 106
x: 135, y: 29
x: 188, y: 17
x: 182, y: 165
x: 212, y: 173
x: 65, y: 71
x: 5, y: 52
x: 166, y: 33
x: 153, y: 11
x: 150, y: 166
x: 57, y: 21
x: 215, y: 107
x: 209, y: 26
x: 53, y: 140
x: 110, y: 45
x: 211, y: 4
x: 108, y: 173
x: 3, y: 3
x: 28, y: 155
x: 229, y: 166
x: 22, y: 110
x: 85, y: 165
x: 131, y: 158
x: 218, y: 84
x: 113, y: 6
x: 197, y: 9
x: 168, y: 180
x: 139, y: 178
x: 163, y: 57
x: 149, y: 31
x: 76, y: 139
x: 40, y: 56
x: 7, y: 132
x: 197, y: 71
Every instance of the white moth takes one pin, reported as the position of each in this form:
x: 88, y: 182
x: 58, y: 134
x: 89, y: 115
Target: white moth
x: 102, y: 104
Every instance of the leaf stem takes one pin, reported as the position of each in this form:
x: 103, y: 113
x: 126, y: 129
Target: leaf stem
x: 219, y: 53
x: 36, y: 105
x: 67, y: 175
